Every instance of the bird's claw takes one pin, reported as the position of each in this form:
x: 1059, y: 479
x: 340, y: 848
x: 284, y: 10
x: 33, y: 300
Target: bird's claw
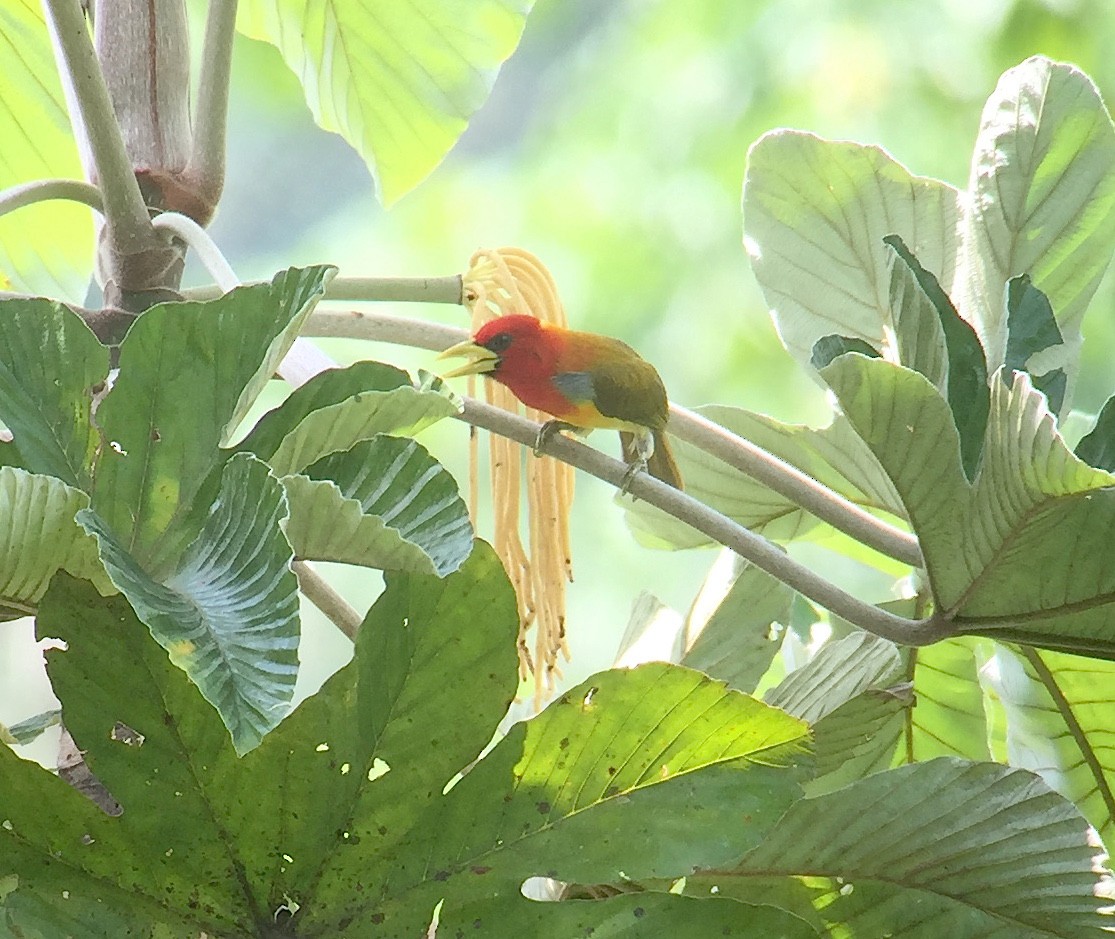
x: 546, y: 431
x: 629, y: 477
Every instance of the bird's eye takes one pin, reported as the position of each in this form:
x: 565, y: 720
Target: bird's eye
x: 499, y: 343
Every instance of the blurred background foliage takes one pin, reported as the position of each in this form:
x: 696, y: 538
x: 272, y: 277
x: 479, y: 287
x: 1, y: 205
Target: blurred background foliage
x: 614, y: 146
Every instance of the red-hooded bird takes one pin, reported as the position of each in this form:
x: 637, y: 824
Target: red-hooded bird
x: 584, y: 380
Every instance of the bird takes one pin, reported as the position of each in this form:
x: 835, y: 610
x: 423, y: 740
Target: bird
x: 584, y: 380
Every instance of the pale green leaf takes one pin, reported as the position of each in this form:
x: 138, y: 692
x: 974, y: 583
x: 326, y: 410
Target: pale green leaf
x: 46, y: 248
x: 228, y: 612
x: 1042, y: 197
x: 384, y: 503
x: 39, y: 536
x: 815, y: 214
x: 945, y: 848
x: 1060, y: 725
x: 398, y: 79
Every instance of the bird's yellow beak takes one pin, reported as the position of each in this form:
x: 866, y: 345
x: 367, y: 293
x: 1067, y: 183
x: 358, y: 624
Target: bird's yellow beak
x: 481, y: 360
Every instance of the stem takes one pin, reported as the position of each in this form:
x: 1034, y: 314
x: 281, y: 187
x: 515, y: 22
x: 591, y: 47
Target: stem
x: 335, y: 607
x: 44, y: 190
x: 369, y: 289
x: 206, y: 167
x: 125, y: 213
x: 754, y: 548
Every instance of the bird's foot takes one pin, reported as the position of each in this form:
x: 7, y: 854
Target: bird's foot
x: 547, y: 430
x: 632, y: 471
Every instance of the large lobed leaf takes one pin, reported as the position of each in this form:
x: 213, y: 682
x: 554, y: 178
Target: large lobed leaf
x: 228, y: 612
x: 815, y: 215
x: 398, y: 80
x: 1033, y: 507
x: 945, y: 848
x: 46, y: 248
x: 1041, y: 197
x: 188, y: 374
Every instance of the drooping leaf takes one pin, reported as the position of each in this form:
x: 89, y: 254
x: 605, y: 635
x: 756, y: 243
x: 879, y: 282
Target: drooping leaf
x: 50, y: 366
x: 815, y: 213
x: 966, y: 387
x: 735, y: 644
x: 1059, y: 725
x: 38, y: 536
x: 1032, y: 329
x: 188, y: 374
x: 46, y: 248
x: 383, y: 503
x: 919, y: 333
x: 945, y: 848
x: 1042, y: 196
x: 398, y: 81
x: 340, y: 407
x: 228, y: 612
x: 828, y: 348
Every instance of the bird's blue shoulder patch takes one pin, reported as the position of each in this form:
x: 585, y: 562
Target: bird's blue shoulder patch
x: 576, y: 386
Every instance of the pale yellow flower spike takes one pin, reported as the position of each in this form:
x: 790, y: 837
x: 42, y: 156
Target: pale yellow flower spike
x: 502, y: 281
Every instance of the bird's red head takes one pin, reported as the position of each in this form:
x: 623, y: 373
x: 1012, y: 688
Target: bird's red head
x: 521, y: 344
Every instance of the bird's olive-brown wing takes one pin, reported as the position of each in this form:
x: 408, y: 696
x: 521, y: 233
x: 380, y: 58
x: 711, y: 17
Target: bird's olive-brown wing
x: 630, y: 390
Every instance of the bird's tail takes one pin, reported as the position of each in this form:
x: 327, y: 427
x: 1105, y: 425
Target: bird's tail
x: 660, y: 464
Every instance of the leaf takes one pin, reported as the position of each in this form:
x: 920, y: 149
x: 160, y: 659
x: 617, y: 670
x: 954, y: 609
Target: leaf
x: 1032, y: 329
x: 1042, y: 196
x: 156, y: 475
x: 398, y: 81
x: 1032, y: 499
x: 815, y: 213
x: 46, y: 248
x: 38, y: 536
x: 966, y: 386
x: 1059, y: 726
x: 945, y: 848
x: 340, y: 407
x: 1097, y: 448
x: 735, y: 644
x: 384, y: 503
x: 50, y: 365
x: 835, y: 456
x: 828, y: 348
x: 29, y: 730
x: 228, y: 613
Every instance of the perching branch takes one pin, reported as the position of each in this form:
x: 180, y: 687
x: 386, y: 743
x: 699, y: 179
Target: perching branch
x: 741, y: 454
x: 335, y: 608
x: 376, y: 289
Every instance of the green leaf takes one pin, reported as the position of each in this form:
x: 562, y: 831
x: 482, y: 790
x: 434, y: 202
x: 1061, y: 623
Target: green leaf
x: 228, y: 613
x: 966, y: 387
x: 949, y: 717
x: 1060, y: 727
x: 29, y: 730
x: 50, y: 366
x: 340, y: 407
x: 1042, y: 196
x: 945, y: 848
x: 1097, y: 448
x: 634, y: 916
x: 815, y: 213
x: 384, y: 503
x: 1032, y: 499
x: 38, y: 536
x: 1031, y: 329
x: 188, y: 374
x: 398, y: 81
x: 835, y: 456
x: 828, y: 348
x: 735, y: 644
x: 46, y: 248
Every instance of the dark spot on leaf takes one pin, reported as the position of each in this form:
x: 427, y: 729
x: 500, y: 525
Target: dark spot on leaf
x: 382, y: 829
x: 480, y: 870
x: 563, y: 743
x: 611, y: 771
x: 610, y: 791
x: 155, y: 435
x: 476, y: 923
x: 544, y: 808
x: 377, y: 918
x: 441, y: 875
x: 638, y: 912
